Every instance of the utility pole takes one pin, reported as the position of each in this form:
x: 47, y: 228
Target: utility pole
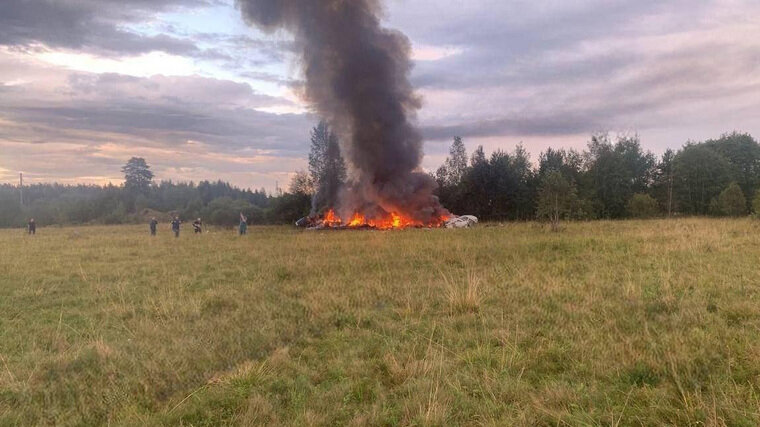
x: 21, y: 187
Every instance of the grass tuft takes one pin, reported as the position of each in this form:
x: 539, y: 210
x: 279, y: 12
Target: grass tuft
x: 464, y: 295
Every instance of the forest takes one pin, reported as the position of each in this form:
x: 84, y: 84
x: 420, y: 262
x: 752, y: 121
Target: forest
x: 610, y: 179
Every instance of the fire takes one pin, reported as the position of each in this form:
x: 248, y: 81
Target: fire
x: 332, y: 220
x: 357, y: 221
x: 394, y: 220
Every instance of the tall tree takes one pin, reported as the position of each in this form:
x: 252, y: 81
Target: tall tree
x: 326, y: 167
x: 556, y: 197
x: 475, y: 186
x: 639, y: 164
x: 567, y: 162
x: 478, y: 156
x: 455, y: 166
x: 743, y: 153
x: 664, y: 180
x: 608, y: 177
x: 301, y: 183
x: 451, y: 174
x: 617, y: 172
x: 525, y: 184
x: 700, y: 175
x: 501, y: 185
x: 137, y: 174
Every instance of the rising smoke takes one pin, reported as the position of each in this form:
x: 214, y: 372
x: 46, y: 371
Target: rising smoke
x: 357, y: 78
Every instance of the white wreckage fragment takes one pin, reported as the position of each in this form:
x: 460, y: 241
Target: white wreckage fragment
x: 464, y: 221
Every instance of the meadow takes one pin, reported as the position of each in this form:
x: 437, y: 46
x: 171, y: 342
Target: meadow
x: 604, y: 323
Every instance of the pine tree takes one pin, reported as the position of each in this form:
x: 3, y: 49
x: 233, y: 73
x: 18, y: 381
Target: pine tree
x: 137, y: 175
x: 326, y: 167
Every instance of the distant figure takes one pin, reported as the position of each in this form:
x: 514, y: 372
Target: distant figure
x: 153, y: 226
x: 198, y: 226
x: 243, y: 224
x: 175, y: 226
x: 32, y: 226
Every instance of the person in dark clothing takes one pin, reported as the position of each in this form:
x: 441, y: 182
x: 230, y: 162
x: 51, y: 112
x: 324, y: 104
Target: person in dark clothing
x: 243, y: 224
x: 175, y: 226
x: 32, y: 226
x: 198, y: 226
x: 153, y: 226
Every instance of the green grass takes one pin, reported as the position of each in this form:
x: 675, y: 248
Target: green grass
x: 606, y: 323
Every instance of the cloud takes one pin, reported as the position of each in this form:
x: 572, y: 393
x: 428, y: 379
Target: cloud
x: 167, y: 110
x: 75, y: 124
x: 90, y: 25
x: 548, y: 69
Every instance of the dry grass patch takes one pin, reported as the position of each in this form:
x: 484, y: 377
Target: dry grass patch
x: 606, y: 323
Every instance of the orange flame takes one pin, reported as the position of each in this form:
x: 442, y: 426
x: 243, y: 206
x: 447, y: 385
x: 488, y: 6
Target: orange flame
x: 393, y: 221
x: 357, y: 221
x: 332, y: 220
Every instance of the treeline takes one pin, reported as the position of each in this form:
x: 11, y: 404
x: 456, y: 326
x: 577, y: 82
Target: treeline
x: 216, y: 202
x: 610, y: 179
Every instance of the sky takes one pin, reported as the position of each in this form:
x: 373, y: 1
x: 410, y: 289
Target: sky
x: 87, y: 84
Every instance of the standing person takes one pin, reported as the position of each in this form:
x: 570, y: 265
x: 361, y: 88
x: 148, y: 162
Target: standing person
x: 243, y: 224
x: 175, y: 226
x: 153, y: 226
x: 198, y: 226
x: 32, y: 226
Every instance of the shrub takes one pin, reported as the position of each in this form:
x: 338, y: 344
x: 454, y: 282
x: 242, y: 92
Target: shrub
x: 756, y: 204
x: 730, y: 202
x: 643, y: 206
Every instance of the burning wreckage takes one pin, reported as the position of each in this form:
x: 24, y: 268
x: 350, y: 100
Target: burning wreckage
x: 330, y: 221
x: 356, y: 77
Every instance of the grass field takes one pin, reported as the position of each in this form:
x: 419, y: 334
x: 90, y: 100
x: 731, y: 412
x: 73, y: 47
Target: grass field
x: 606, y: 323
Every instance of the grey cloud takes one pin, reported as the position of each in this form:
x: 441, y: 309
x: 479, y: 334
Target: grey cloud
x: 243, y: 53
x: 204, y: 92
x: 103, y: 27
x: 93, y: 25
x: 499, y: 41
x: 512, y: 27
x: 560, y: 124
x: 273, y: 78
x: 577, y: 69
x: 168, y: 111
x: 168, y: 126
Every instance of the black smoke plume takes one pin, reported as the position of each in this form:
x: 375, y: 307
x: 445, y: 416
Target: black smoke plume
x: 357, y: 78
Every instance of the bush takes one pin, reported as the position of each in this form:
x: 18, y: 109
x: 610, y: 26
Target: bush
x: 730, y: 202
x: 224, y: 211
x: 643, y: 206
x: 756, y: 204
x: 289, y: 208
